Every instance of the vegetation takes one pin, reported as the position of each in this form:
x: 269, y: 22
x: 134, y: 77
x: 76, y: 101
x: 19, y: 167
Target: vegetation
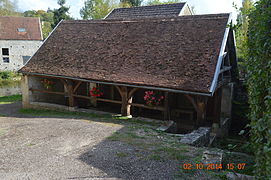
x: 157, y: 2
x: 61, y: 13
x: 9, y: 78
x: 259, y: 85
x: 47, y: 19
x: 10, y: 99
x: 97, y: 9
x: 241, y: 29
x: 8, y: 8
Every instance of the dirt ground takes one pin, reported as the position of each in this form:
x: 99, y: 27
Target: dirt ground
x: 67, y: 148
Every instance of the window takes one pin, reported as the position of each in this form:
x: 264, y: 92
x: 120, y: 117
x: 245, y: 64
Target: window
x: 21, y: 30
x: 25, y: 59
x: 6, y: 59
x: 5, y: 51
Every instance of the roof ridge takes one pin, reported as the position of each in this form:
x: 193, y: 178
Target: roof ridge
x: 161, y: 18
x: 150, y: 5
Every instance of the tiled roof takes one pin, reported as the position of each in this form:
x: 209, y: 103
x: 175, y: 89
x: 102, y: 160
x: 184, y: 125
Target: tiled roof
x: 178, y: 53
x: 29, y: 27
x: 147, y: 11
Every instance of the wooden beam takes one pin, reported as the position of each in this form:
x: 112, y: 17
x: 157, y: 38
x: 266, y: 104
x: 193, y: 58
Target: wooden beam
x: 49, y: 92
x: 199, y: 103
x: 131, y: 93
x: 192, y: 101
x: 225, y: 68
x: 77, y: 86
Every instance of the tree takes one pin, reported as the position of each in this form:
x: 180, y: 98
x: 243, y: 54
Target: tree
x: 133, y: 3
x: 8, y: 8
x: 259, y: 86
x: 97, y: 9
x: 241, y: 32
x: 156, y: 2
x: 47, y: 19
x: 61, y: 13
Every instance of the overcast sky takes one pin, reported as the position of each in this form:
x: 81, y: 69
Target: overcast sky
x: 201, y: 6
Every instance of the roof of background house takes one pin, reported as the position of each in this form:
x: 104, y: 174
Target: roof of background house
x: 179, y: 53
x: 147, y: 11
x: 10, y: 28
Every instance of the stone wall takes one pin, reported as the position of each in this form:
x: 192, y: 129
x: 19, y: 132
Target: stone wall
x: 34, y: 96
x: 18, y: 51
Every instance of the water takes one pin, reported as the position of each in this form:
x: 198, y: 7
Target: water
x: 10, y: 88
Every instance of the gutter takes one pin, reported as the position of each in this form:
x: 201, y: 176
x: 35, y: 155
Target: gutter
x: 122, y: 84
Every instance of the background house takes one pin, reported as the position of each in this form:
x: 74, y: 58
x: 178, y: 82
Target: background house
x: 174, y: 9
x: 20, y: 38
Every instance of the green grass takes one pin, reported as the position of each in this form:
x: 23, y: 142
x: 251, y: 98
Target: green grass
x: 155, y: 157
x: 121, y: 154
x: 2, y: 115
x: 53, y: 113
x: 10, y: 99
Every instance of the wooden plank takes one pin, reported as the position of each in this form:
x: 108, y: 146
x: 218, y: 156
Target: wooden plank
x: 49, y: 92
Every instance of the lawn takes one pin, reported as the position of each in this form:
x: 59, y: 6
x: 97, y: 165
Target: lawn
x: 10, y: 99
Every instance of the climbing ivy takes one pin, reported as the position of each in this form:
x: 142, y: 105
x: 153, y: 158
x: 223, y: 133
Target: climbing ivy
x: 259, y: 85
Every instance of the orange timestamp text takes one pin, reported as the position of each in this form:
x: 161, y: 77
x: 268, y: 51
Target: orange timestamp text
x: 213, y: 166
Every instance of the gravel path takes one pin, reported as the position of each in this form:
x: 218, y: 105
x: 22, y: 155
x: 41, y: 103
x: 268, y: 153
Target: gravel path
x: 66, y: 148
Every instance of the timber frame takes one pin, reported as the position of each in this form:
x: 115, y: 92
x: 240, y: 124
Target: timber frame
x: 126, y: 93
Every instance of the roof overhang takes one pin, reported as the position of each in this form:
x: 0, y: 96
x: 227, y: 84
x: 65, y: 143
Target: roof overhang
x: 121, y: 84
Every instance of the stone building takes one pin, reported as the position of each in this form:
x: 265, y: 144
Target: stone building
x: 20, y: 38
x: 190, y: 61
x: 161, y: 10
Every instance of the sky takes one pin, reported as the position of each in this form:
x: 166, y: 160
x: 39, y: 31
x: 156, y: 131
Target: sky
x: 201, y: 6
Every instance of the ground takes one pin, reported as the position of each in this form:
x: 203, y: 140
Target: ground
x: 67, y: 145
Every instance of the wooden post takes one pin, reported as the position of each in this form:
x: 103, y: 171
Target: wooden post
x: 217, y: 106
x: 93, y: 100
x: 166, y: 105
x: 70, y: 93
x: 125, y: 110
x: 199, y: 103
x: 201, y: 113
x: 111, y: 92
x: 126, y: 99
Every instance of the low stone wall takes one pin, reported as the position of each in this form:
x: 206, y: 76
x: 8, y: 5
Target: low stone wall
x: 199, y: 137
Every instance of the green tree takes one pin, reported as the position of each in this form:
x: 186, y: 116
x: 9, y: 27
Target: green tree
x: 60, y: 13
x: 97, y: 9
x: 156, y: 2
x: 241, y: 34
x: 8, y: 8
x: 259, y: 85
x: 133, y: 3
x: 45, y: 17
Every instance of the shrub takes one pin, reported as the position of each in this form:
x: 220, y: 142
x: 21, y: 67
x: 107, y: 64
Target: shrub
x: 259, y: 86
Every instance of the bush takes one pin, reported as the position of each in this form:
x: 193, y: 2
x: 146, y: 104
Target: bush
x: 259, y: 86
x: 7, y: 75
